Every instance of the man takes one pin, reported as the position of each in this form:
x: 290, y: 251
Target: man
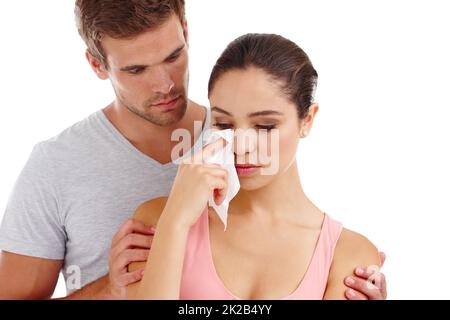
x: 78, y: 188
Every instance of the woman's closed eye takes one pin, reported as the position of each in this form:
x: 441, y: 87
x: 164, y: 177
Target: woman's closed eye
x: 267, y: 127
x: 224, y: 126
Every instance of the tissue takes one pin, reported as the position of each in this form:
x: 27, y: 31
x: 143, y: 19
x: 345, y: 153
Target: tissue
x: 225, y: 158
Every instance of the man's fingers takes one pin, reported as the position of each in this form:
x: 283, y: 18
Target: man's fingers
x: 375, y: 278
x: 132, y: 226
x: 351, y: 294
x: 382, y: 257
x: 130, y: 277
x: 131, y: 255
x: 366, y: 272
x: 378, y: 280
x: 132, y: 241
x: 365, y: 287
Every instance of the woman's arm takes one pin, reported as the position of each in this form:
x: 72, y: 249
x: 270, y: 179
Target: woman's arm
x: 162, y: 276
x: 352, y: 250
x: 194, y: 184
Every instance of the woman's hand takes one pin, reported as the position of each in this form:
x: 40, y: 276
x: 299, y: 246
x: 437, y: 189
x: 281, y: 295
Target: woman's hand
x: 195, y: 182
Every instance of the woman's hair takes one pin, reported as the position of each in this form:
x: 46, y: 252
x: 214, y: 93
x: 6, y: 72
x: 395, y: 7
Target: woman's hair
x: 279, y: 57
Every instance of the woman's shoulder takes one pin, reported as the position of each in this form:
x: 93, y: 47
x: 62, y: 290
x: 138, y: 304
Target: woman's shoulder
x: 354, y: 246
x: 352, y: 250
x: 150, y: 211
x: 350, y: 246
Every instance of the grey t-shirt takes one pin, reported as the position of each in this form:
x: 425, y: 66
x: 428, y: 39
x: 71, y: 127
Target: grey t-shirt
x: 76, y: 191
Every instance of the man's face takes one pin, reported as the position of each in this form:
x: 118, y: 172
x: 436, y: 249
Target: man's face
x: 149, y: 72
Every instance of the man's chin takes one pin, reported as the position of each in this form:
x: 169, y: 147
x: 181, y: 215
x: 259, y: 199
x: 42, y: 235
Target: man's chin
x: 166, y: 118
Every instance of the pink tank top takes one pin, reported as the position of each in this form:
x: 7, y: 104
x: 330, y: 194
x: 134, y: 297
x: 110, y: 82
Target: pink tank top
x: 200, y: 280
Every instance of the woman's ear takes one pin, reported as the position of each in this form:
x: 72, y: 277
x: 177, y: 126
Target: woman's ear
x: 97, y: 66
x: 307, y: 122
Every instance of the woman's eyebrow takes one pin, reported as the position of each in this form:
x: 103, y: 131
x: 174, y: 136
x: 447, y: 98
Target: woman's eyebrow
x: 265, y: 113
x: 220, y: 110
x: 250, y: 115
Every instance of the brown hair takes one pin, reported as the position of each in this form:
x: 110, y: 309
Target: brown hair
x: 121, y: 19
x: 281, y: 58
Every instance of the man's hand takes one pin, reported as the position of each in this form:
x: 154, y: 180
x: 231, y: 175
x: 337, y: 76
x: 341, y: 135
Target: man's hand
x: 130, y: 244
x: 367, y: 284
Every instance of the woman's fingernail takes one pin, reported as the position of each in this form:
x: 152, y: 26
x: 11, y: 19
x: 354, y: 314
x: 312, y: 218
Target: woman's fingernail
x: 350, y: 281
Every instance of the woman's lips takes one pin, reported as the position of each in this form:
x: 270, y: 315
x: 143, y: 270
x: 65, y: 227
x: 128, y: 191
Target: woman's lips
x: 245, y: 169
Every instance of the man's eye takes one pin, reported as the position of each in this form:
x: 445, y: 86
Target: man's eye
x: 173, y: 58
x: 222, y: 125
x: 136, y: 71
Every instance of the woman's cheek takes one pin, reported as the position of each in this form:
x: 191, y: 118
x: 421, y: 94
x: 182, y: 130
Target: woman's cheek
x: 288, y: 143
x: 275, y: 151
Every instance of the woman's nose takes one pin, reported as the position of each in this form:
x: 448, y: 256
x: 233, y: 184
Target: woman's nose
x: 245, y: 141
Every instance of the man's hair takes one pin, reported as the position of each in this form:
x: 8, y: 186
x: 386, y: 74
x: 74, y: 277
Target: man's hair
x: 121, y: 19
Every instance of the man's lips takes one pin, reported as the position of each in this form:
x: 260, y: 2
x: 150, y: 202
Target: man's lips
x: 166, y: 102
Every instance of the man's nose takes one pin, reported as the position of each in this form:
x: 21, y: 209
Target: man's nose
x: 161, y: 81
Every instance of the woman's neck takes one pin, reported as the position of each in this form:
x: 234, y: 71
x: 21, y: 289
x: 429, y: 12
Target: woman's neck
x: 282, y: 199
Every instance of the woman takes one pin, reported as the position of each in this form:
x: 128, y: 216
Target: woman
x: 278, y: 244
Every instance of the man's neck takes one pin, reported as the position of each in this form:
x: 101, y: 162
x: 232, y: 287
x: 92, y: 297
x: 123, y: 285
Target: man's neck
x: 152, y: 140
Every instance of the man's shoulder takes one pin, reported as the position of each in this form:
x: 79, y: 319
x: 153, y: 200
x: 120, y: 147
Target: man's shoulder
x: 201, y: 113
x: 70, y: 139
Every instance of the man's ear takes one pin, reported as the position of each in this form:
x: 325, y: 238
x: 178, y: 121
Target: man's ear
x: 97, y: 66
x: 186, y: 32
x: 307, y: 122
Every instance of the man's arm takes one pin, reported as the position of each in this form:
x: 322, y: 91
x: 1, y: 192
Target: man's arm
x: 99, y: 289
x: 23, y: 277
x: 30, y: 278
x: 352, y: 250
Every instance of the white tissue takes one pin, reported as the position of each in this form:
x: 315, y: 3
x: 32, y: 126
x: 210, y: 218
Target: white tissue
x: 225, y: 158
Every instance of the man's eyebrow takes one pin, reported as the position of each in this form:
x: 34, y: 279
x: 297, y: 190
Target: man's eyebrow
x: 176, y: 51
x: 250, y: 115
x: 143, y: 66
x: 132, y: 67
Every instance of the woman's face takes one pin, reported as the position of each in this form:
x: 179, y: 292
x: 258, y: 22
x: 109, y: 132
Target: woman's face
x: 266, y: 124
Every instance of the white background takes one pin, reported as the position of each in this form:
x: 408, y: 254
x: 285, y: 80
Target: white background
x: 377, y: 158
